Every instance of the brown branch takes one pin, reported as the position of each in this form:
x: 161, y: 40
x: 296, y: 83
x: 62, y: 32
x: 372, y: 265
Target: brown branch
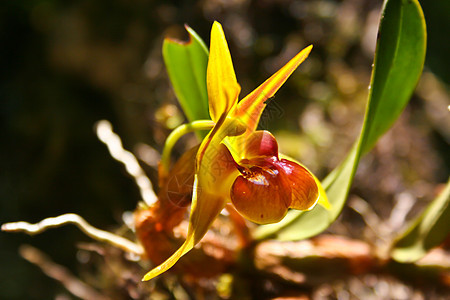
x: 60, y: 273
x: 327, y: 257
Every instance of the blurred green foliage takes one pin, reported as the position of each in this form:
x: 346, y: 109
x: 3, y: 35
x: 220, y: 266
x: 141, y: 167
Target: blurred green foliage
x: 398, y: 64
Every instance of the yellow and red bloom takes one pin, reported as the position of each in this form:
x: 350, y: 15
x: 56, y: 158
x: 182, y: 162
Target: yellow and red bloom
x: 239, y: 164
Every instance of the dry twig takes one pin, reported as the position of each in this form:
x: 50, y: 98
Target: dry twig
x: 89, y: 230
x: 114, y: 144
x: 74, y: 285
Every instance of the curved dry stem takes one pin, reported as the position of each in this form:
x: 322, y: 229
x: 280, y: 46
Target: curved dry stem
x: 73, y: 284
x: 89, y: 230
x: 115, y: 148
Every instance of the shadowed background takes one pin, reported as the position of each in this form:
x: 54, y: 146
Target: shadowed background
x: 67, y: 64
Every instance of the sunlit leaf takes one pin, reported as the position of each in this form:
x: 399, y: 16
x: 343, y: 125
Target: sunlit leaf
x: 398, y: 63
x: 186, y: 64
x: 426, y: 232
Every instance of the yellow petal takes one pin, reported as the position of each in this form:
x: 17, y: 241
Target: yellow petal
x: 252, y: 145
x: 205, y: 208
x: 323, y: 199
x: 223, y: 89
x: 215, y: 173
x: 250, y: 108
x: 169, y: 262
x: 260, y: 143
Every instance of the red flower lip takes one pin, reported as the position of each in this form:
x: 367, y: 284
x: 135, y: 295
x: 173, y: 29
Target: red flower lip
x: 268, y: 186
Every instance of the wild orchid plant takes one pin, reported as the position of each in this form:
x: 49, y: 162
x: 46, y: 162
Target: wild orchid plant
x: 253, y: 172
x: 238, y: 164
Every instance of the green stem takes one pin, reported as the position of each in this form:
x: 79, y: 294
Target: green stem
x: 176, y: 134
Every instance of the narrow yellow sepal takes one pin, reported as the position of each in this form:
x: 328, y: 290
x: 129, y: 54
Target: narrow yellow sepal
x: 223, y: 88
x: 250, y: 108
x: 205, y: 208
x: 186, y: 247
x: 323, y: 199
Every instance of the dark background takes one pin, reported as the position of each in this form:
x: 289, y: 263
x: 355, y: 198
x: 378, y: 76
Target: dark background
x: 67, y: 64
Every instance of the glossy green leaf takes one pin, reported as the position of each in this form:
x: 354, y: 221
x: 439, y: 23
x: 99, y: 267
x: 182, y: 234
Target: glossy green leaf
x: 398, y: 63
x: 427, y: 231
x: 186, y: 64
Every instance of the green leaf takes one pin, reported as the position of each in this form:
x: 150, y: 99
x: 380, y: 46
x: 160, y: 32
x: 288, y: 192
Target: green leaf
x: 186, y: 64
x: 427, y: 231
x: 398, y: 63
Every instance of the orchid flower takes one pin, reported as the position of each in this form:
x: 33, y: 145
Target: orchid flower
x: 237, y: 163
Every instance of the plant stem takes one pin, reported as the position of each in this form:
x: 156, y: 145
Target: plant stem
x: 176, y: 134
